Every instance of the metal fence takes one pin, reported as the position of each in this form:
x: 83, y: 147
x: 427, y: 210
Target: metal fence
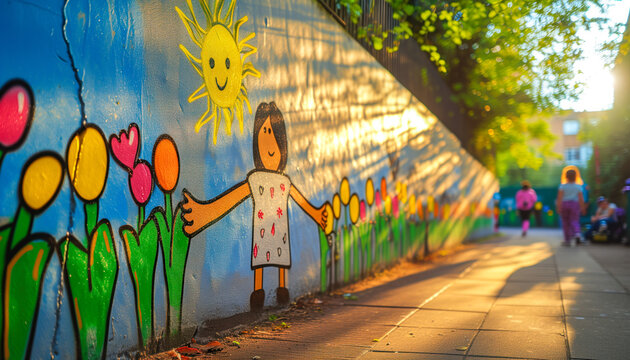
x: 409, y: 64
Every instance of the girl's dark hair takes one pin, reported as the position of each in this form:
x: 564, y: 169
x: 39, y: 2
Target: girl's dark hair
x: 571, y: 175
x: 270, y: 110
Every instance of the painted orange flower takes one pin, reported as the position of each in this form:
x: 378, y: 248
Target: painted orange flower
x: 166, y: 163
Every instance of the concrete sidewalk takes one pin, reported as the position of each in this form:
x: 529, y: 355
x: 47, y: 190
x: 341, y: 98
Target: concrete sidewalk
x: 525, y: 298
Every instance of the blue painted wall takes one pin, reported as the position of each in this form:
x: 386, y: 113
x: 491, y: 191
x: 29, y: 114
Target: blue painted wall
x: 114, y: 63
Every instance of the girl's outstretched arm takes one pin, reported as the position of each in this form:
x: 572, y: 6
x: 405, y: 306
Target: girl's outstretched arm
x: 559, y: 201
x: 319, y: 215
x: 198, y: 215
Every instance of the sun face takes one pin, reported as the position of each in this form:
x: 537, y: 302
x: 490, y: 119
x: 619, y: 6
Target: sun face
x: 221, y: 64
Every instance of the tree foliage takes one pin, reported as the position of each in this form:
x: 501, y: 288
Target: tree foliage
x: 506, y: 62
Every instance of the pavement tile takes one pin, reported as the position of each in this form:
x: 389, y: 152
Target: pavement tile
x: 378, y: 355
x: 515, y: 287
x: 489, y: 274
x: 477, y: 287
x: 519, y: 344
x: 331, y: 332
x: 445, y: 319
x: 499, y: 321
x: 533, y: 297
x: 460, y: 302
x: 279, y: 350
x: 602, y: 304
x: 527, y: 310
x: 442, y: 341
x: 598, y: 338
x: 608, y: 285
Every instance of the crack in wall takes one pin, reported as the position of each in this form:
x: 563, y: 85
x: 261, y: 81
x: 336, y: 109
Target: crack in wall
x: 54, y: 350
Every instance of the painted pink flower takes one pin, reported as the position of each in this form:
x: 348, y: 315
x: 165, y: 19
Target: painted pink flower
x: 362, y: 210
x: 395, y: 209
x: 141, y: 182
x: 16, y: 104
x: 378, y: 200
x: 125, y: 147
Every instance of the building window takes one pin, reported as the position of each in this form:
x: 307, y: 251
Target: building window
x: 570, y: 127
x: 572, y: 154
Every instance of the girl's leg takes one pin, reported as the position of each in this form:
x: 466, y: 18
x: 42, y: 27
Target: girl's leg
x: 575, y: 223
x: 282, y: 293
x: 257, y: 298
x: 258, y: 279
x: 566, y: 222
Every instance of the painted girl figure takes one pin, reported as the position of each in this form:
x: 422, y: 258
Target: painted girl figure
x: 270, y: 189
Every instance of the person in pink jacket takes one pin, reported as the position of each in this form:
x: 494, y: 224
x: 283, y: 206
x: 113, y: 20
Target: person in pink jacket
x: 525, y: 200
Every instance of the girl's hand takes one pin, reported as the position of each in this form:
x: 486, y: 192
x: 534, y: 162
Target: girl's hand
x: 192, y: 213
x: 323, y: 216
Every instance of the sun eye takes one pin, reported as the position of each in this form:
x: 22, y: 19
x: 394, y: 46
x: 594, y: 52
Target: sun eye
x: 211, y: 63
x: 227, y: 63
x: 264, y: 129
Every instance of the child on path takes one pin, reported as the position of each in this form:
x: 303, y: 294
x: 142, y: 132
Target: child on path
x: 525, y: 200
x: 570, y: 203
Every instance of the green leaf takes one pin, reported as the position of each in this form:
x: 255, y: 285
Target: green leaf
x: 141, y: 252
x: 175, y: 244
x: 91, y: 274
x: 409, y: 9
x: 22, y: 292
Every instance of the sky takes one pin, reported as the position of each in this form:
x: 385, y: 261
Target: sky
x: 597, y: 91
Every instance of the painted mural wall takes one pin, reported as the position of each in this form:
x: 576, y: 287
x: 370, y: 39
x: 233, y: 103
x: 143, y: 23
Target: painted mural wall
x: 166, y: 163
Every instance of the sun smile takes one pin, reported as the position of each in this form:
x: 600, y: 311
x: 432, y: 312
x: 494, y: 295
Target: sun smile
x: 219, y: 86
x: 271, y: 153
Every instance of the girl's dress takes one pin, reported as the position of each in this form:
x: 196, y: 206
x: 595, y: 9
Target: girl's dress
x: 270, y: 238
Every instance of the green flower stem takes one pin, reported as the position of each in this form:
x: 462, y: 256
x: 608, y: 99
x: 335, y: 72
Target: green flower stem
x: 366, y: 231
x: 356, y: 242
x: 323, y: 251
x: 168, y: 208
x: 140, y: 217
x: 21, y: 226
x: 346, y: 254
x: 91, y: 216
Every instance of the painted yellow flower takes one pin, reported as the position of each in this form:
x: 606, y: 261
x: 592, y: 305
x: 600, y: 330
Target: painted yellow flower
x: 354, y: 208
x: 87, y: 162
x: 403, y: 193
x: 446, y: 211
x: 430, y: 204
x: 369, y: 192
x: 344, y: 191
x: 388, y: 205
x: 336, y: 206
x: 41, y: 180
x: 329, y: 220
x: 412, y: 204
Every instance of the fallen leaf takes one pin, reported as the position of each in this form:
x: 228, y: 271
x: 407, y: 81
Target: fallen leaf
x: 186, y: 350
x: 236, y: 343
x: 461, y: 348
x: 375, y: 340
x: 211, y: 347
x: 173, y: 354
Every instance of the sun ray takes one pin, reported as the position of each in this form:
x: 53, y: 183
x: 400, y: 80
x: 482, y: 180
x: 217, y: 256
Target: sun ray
x: 194, y: 17
x: 206, y: 10
x: 194, y: 96
x: 249, y: 107
x: 219, y: 42
x: 192, y: 59
x: 248, y: 69
x: 227, y: 114
x: 239, y: 112
x: 203, y: 120
x: 229, y: 18
x: 218, y: 5
x: 187, y: 22
x: 238, y: 25
x: 248, y: 53
x: 217, y: 122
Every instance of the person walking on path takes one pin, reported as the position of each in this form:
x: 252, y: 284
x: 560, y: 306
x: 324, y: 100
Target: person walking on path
x: 570, y: 203
x: 525, y: 200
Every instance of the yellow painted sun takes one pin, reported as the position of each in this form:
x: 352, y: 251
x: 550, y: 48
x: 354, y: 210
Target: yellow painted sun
x: 221, y: 63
